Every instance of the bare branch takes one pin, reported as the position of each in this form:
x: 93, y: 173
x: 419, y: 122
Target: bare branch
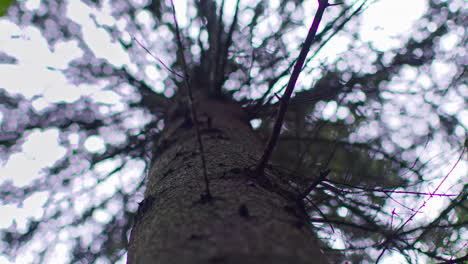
x: 323, y: 4
x: 157, y: 59
x: 227, y: 44
x: 422, y: 205
x: 207, y: 195
x: 458, y: 260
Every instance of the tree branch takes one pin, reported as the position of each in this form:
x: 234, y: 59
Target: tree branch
x: 207, y: 195
x: 323, y: 4
x: 224, y: 57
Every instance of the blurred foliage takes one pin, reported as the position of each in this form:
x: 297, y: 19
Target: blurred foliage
x: 383, y: 120
x: 4, y: 4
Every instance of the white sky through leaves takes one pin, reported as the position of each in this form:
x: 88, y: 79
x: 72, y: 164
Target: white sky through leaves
x: 37, y: 75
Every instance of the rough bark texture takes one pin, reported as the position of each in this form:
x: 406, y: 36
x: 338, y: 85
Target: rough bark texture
x: 244, y: 223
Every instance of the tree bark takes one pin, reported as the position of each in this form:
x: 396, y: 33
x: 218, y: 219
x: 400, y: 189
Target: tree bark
x: 245, y: 222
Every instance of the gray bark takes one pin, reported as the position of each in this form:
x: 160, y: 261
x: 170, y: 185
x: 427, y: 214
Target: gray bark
x: 244, y: 223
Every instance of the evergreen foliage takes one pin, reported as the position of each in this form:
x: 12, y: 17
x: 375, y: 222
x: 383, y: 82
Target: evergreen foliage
x: 387, y: 123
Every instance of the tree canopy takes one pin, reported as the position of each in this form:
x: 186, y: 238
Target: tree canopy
x: 381, y: 121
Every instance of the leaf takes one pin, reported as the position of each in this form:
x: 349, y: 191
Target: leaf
x: 4, y: 5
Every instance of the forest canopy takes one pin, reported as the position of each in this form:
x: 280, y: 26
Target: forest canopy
x: 380, y: 108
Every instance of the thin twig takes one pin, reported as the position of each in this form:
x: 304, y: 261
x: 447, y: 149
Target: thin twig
x: 216, y: 51
x: 321, y: 214
x: 422, y: 205
x: 323, y: 4
x: 156, y: 58
x: 224, y: 58
x: 458, y: 260
x: 379, y: 190
x: 207, y: 195
x: 323, y: 174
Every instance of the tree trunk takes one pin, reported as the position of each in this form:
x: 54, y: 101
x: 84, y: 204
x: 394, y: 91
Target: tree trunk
x: 245, y: 222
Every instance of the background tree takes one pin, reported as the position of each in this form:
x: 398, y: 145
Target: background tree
x: 386, y: 121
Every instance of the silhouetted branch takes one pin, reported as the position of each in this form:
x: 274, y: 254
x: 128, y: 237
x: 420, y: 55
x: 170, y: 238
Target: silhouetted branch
x: 157, y: 59
x: 220, y: 74
x: 422, y: 205
x: 207, y: 194
x: 323, y: 4
x: 453, y: 261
